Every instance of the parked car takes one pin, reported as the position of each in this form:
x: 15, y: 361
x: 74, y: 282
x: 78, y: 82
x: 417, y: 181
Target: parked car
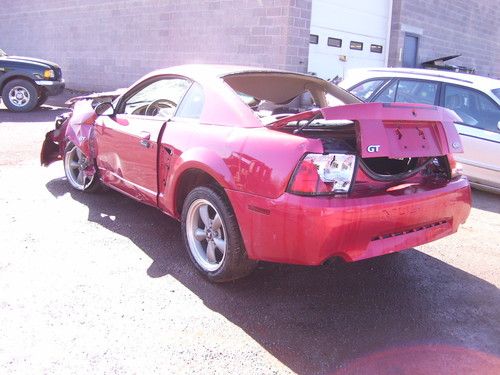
x: 475, y: 99
x: 254, y: 174
x: 26, y: 83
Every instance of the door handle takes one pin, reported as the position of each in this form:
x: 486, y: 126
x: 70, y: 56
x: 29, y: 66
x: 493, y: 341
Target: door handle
x: 146, y: 136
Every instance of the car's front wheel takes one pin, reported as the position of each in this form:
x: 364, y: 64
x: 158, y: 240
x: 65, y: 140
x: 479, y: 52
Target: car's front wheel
x: 20, y: 95
x: 76, y: 166
x: 212, y: 237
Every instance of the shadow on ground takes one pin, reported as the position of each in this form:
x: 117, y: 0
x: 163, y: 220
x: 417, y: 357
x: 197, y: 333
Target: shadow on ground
x: 485, y: 201
x: 319, y: 320
x: 41, y: 114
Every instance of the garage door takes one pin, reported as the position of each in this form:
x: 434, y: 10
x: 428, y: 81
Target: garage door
x: 348, y: 34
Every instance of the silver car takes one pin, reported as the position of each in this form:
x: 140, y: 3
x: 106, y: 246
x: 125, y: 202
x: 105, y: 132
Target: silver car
x: 475, y: 99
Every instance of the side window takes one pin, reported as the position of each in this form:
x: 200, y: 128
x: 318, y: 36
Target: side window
x: 159, y: 98
x: 473, y: 107
x: 366, y: 89
x: 409, y: 91
x: 414, y: 91
x: 192, y: 104
x: 388, y: 94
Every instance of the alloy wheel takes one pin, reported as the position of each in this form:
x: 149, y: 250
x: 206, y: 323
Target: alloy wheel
x: 206, y: 235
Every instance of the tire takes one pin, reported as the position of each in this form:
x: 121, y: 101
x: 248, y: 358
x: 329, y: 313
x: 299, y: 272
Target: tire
x: 20, y: 95
x: 42, y: 98
x: 75, y: 164
x: 212, y: 236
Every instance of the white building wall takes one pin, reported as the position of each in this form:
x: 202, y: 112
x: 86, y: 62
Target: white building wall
x: 365, y: 21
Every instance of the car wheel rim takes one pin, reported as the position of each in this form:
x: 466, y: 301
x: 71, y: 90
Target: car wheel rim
x: 76, y: 163
x: 19, y: 96
x: 206, y: 234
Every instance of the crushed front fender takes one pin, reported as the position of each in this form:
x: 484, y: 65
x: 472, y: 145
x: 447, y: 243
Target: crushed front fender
x: 54, y: 143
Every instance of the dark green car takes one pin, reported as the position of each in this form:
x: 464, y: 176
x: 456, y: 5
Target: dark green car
x: 26, y: 83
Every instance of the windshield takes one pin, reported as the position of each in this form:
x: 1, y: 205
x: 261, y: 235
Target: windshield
x: 2, y: 53
x: 496, y: 92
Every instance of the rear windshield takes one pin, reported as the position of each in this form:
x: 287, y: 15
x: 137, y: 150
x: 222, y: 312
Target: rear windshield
x: 496, y: 92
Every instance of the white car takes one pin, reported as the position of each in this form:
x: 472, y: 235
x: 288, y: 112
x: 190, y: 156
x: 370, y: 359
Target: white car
x: 475, y: 99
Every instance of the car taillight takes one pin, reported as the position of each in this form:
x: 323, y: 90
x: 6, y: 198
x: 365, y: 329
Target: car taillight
x: 319, y: 174
x: 456, y: 168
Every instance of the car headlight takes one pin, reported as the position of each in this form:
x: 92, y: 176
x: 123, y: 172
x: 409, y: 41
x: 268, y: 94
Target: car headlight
x: 48, y: 73
x: 319, y: 174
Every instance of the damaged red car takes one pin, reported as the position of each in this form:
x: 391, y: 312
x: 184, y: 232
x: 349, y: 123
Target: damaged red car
x: 268, y: 165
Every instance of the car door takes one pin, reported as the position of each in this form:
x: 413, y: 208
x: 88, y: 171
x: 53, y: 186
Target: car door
x: 479, y: 132
x: 127, y: 141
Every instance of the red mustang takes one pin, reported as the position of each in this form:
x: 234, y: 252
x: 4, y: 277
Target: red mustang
x: 268, y: 165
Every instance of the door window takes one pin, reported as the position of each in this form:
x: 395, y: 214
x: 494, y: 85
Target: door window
x: 414, y: 91
x: 473, y: 107
x: 409, y: 91
x: 159, y: 98
x: 192, y: 104
x: 366, y: 89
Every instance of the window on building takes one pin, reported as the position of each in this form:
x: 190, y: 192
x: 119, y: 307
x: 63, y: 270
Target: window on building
x: 313, y: 39
x: 473, y: 107
x: 356, y: 46
x: 376, y: 48
x: 334, y: 42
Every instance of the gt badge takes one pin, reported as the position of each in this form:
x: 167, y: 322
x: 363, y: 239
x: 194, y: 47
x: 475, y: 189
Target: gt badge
x: 373, y: 148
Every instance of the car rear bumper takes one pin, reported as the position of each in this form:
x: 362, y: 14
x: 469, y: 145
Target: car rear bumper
x: 310, y: 230
x: 52, y: 87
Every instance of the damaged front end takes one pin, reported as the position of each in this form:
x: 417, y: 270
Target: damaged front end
x: 75, y: 127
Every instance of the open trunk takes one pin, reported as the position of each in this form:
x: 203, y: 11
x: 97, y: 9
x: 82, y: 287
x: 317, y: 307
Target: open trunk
x: 393, y: 142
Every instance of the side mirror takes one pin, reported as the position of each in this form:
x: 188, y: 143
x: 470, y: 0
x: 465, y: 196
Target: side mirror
x: 105, y: 108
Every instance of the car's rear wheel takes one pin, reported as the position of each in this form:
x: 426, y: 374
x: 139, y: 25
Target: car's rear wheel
x: 212, y: 237
x: 20, y: 95
x: 76, y: 167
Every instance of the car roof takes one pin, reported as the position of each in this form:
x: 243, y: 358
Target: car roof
x: 219, y: 94
x: 480, y: 82
x: 204, y: 72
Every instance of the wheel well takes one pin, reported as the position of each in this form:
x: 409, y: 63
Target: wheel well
x: 189, y: 180
x: 7, y: 80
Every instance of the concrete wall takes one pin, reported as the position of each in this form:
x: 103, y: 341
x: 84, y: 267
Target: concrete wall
x: 467, y: 27
x: 104, y: 44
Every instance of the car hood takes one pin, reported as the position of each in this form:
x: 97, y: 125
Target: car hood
x: 31, y: 60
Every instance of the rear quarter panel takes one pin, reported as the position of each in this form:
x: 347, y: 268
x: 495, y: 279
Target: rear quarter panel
x: 258, y: 161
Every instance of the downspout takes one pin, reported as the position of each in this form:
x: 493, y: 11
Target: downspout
x: 388, y: 36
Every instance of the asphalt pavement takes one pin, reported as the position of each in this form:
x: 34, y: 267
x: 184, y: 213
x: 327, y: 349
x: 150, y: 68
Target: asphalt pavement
x: 98, y: 283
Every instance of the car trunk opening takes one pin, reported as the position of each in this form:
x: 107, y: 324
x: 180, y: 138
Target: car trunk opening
x: 392, y: 143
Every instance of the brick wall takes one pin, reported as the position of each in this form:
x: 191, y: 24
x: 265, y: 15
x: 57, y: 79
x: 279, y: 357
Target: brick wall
x: 104, y: 44
x: 467, y: 27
